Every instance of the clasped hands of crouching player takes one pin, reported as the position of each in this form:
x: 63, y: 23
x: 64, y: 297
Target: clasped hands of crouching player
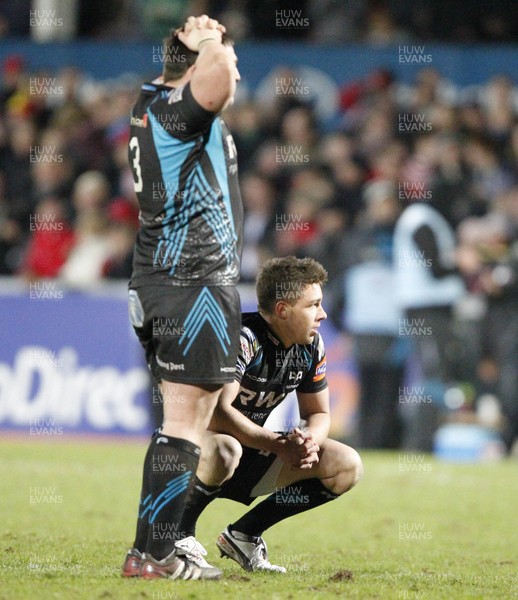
x: 297, y: 449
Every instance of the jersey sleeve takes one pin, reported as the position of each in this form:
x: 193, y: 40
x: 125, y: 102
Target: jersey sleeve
x: 180, y: 115
x: 315, y: 380
x: 248, y: 348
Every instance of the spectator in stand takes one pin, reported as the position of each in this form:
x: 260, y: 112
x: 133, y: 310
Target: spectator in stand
x: 50, y: 241
x: 84, y: 265
x: 364, y: 303
x: 122, y: 231
x: 15, y: 163
x: 427, y: 288
x: 450, y: 184
x: 336, y: 152
x: 246, y: 120
x: 259, y: 200
x: 488, y: 259
x: 487, y: 175
x: 13, y: 71
x: 10, y: 235
x: 298, y: 140
x: 498, y: 105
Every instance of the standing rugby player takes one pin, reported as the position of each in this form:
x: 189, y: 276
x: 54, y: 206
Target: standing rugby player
x: 185, y: 269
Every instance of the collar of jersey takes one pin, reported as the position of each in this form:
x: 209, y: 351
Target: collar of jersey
x: 152, y: 86
x: 271, y: 336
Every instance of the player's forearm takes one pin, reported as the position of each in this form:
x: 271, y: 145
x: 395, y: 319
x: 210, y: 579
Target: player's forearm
x: 230, y: 421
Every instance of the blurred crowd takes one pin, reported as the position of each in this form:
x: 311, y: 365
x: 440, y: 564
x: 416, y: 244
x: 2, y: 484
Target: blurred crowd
x: 319, y: 21
x: 67, y: 206
x: 334, y: 192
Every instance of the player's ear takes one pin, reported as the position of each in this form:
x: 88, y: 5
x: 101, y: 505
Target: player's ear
x: 281, y: 310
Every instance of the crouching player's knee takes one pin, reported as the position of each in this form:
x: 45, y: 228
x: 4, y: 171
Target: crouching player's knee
x: 227, y: 452
x: 353, y: 466
x: 348, y: 468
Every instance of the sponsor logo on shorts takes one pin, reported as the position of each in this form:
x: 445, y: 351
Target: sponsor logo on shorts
x: 170, y: 366
x: 228, y: 369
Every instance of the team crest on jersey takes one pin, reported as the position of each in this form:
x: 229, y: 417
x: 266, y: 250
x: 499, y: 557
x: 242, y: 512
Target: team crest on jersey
x: 139, y: 122
x: 176, y: 95
x: 320, y: 371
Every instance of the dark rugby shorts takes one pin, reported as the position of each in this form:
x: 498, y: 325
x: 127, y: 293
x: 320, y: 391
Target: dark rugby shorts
x: 256, y: 475
x: 190, y: 334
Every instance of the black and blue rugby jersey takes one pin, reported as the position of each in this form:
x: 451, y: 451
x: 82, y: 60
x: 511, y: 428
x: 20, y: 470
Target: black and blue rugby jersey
x: 267, y: 371
x: 184, y: 167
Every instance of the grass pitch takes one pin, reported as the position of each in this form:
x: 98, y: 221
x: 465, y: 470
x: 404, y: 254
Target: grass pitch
x: 412, y: 528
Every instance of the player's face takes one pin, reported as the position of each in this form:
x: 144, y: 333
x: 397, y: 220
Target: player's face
x: 305, y: 315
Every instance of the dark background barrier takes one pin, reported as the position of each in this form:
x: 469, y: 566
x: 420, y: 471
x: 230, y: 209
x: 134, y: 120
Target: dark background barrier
x: 466, y: 64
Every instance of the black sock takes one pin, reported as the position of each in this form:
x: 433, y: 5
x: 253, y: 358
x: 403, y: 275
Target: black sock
x: 283, y: 503
x: 173, y: 464
x: 142, y: 520
x: 200, y: 496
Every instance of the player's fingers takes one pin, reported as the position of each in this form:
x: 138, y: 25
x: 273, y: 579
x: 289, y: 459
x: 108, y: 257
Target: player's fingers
x: 311, y: 446
x: 212, y: 24
x: 202, y: 21
x: 308, y: 460
x: 296, y: 439
x: 222, y: 28
x: 307, y: 435
x: 299, y: 467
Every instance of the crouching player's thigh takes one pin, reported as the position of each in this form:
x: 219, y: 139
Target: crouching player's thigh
x: 339, y: 469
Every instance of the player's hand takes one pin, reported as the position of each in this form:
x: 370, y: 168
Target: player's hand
x: 201, y: 28
x: 306, y: 463
x: 298, y: 449
x: 311, y: 448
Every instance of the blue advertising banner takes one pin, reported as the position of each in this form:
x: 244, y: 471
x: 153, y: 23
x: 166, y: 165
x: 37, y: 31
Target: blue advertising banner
x: 71, y: 363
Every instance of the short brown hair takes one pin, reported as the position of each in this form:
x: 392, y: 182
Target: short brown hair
x: 177, y: 58
x: 285, y: 279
